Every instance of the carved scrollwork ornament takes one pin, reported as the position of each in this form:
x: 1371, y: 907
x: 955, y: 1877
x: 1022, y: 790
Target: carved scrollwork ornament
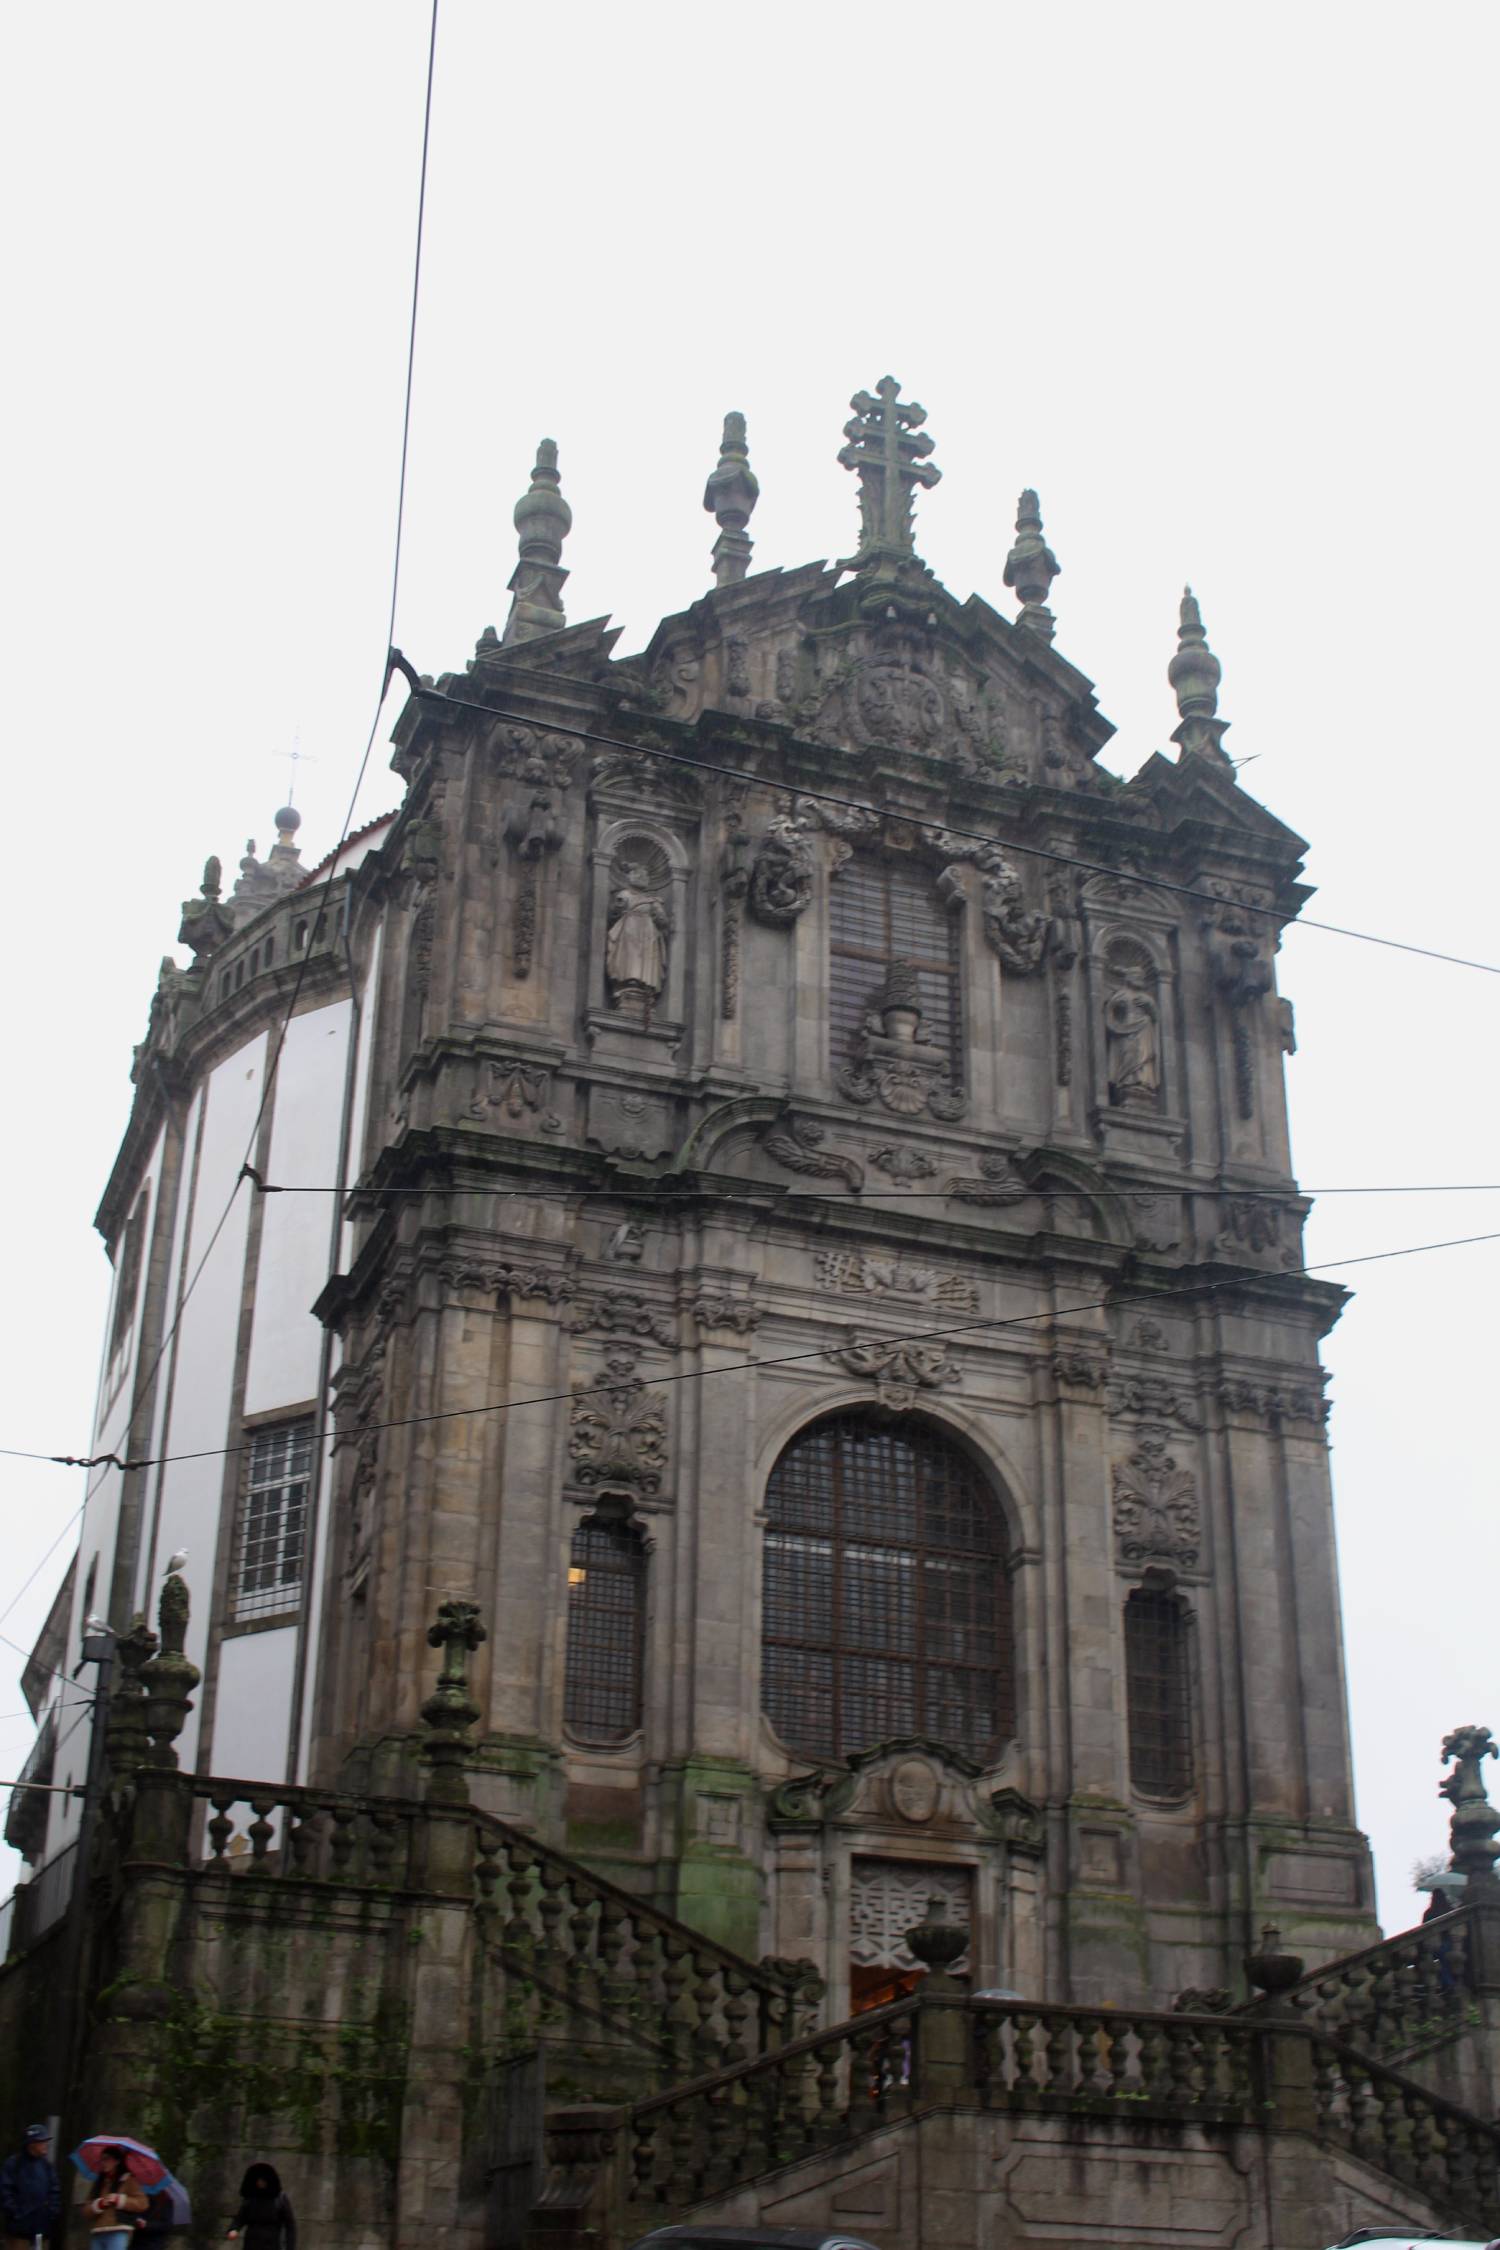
x: 798, y: 1143
x: 900, y: 1368
x: 1156, y: 1514
x: 619, y: 1430
x: 783, y: 872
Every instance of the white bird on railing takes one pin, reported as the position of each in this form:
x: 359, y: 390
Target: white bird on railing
x: 176, y: 1563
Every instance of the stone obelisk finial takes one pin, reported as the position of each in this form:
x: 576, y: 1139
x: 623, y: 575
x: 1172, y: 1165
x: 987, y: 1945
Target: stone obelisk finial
x: 888, y: 449
x: 1031, y: 566
x: 1194, y: 673
x: 730, y: 497
x: 543, y: 519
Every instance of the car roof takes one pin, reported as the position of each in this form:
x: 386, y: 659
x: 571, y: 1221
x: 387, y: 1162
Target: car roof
x: 775, y: 2238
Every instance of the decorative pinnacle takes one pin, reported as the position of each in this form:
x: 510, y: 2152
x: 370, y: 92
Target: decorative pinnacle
x: 888, y: 449
x: 543, y: 520
x: 1475, y: 1820
x: 730, y: 496
x: 1031, y: 566
x: 1194, y: 674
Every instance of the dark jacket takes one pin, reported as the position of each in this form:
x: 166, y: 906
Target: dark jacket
x: 30, y: 2198
x: 264, y: 2219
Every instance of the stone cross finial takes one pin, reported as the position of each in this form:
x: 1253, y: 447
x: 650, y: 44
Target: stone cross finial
x: 888, y: 449
x: 1031, y: 566
x: 450, y: 1710
x: 168, y: 1677
x: 543, y: 519
x: 730, y: 497
x: 1194, y: 674
x: 1475, y: 1820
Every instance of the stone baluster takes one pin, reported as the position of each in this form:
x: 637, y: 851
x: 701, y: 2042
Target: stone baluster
x: 755, y: 2126
x: 708, y: 2030
x: 488, y: 1849
x: 1428, y: 2150
x: 1057, y: 2050
x: 682, y: 2144
x: 616, y: 1992
x: 643, y: 2157
x: 517, y: 1933
x: 720, y: 2136
x: 830, y: 2055
x: 551, y: 1908
x: 261, y: 1829
x: 680, y: 2017
x: 739, y: 2011
x: 384, y: 1842
x: 1156, y: 2075
x: 861, y: 2078
x: 341, y: 1844
x: 649, y: 1968
x: 220, y: 1829
x: 305, y: 1822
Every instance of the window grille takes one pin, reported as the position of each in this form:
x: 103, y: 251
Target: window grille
x: 887, y: 1599
x: 1158, y: 1686
x: 881, y: 913
x: 606, y: 1610
x: 273, y: 1527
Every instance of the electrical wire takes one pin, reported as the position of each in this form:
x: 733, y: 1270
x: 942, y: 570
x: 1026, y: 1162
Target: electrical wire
x: 624, y: 1192
x: 945, y: 828
x: 47, y: 1557
x: 1152, y: 1298
x: 143, y: 1382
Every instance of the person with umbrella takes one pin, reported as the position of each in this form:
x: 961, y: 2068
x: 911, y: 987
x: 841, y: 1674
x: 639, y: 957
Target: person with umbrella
x: 265, y: 2218
x: 117, y: 2198
x: 30, y: 2198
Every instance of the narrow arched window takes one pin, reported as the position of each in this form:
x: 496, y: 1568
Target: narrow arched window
x: 887, y: 1605
x: 884, y: 912
x: 1158, y: 1689
x: 606, y: 1616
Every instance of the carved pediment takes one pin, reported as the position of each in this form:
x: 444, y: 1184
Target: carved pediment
x: 906, y: 1785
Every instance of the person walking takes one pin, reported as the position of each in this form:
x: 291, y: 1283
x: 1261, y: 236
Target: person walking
x: 116, y: 2202
x: 265, y: 2218
x: 30, y: 2196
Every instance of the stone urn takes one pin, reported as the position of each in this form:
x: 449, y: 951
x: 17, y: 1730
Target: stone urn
x: 936, y: 1942
x: 897, y: 1006
x: 1271, y: 1971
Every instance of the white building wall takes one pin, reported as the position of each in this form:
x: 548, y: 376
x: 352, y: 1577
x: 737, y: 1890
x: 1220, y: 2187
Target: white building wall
x: 204, y: 1348
x: 253, y: 1711
x: 296, y: 1230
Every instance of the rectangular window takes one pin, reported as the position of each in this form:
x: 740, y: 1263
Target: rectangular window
x: 273, y: 1524
x: 1158, y: 1683
x: 882, y: 912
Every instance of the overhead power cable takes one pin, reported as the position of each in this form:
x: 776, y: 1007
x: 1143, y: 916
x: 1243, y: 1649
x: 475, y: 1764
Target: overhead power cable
x: 662, y: 1190
x: 946, y: 828
x: 1153, y: 1298
x: 322, y: 895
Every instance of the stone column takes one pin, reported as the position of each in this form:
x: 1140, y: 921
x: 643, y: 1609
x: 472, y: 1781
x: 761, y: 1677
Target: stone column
x: 441, y: 1933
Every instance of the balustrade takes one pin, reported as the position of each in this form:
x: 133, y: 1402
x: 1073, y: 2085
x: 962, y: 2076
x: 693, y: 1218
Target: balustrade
x: 304, y: 1835
x: 572, y: 1941
x: 1452, y: 2156
x: 1398, y: 1998
x: 1071, y: 2059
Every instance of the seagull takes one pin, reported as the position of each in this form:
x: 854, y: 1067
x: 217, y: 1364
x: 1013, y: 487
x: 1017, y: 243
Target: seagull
x: 176, y: 1563
x: 96, y: 1625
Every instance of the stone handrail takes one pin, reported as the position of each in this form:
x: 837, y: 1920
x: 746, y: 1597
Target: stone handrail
x: 624, y: 2170
x: 1063, y: 2058
x: 318, y: 1835
x: 1391, y: 2121
x: 1398, y: 1998
x: 572, y: 1937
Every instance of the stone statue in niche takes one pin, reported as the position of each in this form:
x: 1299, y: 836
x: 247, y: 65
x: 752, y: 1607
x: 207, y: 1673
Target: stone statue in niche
x: 635, y: 950
x: 1132, y: 1038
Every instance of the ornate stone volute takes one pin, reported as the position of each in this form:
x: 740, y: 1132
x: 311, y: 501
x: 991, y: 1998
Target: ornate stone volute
x: 1031, y: 566
x: 126, y: 1740
x: 730, y: 498
x: 206, y: 921
x: 1475, y: 1820
x: 168, y: 1677
x: 1194, y: 674
x: 543, y: 519
x: 450, y: 1710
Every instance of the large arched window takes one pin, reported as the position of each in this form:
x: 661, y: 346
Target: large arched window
x: 1158, y: 1691
x: 606, y: 1615
x: 887, y: 1598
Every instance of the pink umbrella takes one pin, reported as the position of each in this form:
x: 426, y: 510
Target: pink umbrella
x: 141, y: 2163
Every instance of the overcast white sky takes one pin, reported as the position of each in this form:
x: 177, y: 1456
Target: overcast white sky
x: 1217, y: 280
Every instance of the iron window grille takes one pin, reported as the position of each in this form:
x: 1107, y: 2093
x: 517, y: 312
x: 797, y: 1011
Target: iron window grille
x: 606, y: 1619
x: 887, y: 1605
x: 882, y: 912
x: 1158, y: 1688
x: 273, y: 1525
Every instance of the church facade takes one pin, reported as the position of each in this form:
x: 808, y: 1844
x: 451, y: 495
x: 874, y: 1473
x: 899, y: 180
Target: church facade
x: 817, y: 1263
